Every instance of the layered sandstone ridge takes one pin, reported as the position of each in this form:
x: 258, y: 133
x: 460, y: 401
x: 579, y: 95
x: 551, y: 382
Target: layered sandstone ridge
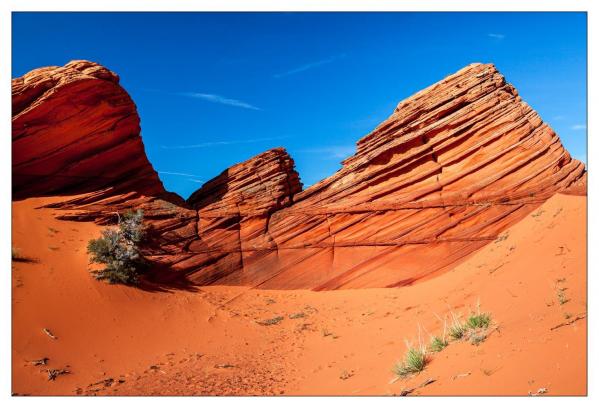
x: 452, y: 167
x: 445, y: 174
x: 75, y: 129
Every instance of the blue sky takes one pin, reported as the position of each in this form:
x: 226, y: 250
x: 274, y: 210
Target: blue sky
x: 214, y: 89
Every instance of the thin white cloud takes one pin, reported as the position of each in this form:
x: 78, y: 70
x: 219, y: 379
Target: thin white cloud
x: 559, y: 117
x: 196, y: 180
x: 496, y: 36
x: 578, y: 127
x: 220, y: 99
x: 223, y: 143
x: 332, y: 152
x: 174, y: 173
x: 309, y: 65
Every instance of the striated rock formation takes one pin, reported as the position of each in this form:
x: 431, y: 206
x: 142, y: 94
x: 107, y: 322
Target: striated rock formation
x: 452, y: 167
x: 234, y: 211
x: 75, y: 129
x: 76, y: 134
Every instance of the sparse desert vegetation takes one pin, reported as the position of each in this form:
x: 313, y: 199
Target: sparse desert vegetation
x: 475, y: 330
x: 438, y: 344
x: 291, y: 349
x: 414, y: 362
x: 457, y: 329
x: 118, y: 249
x: 478, y: 319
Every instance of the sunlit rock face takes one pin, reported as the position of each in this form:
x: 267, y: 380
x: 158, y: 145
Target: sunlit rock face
x: 450, y: 169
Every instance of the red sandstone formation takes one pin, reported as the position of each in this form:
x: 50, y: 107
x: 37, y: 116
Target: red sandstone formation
x: 76, y: 133
x: 75, y: 129
x: 452, y: 167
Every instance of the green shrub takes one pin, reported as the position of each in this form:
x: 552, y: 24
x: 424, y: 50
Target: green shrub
x: 457, y: 329
x: 479, y: 321
x: 438, y: 344
x: 118, y: 249
x: 413, y: 362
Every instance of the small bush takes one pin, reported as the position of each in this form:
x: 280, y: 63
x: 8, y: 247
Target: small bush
x: 438, y: 344
x: 457, y: 329
x: 456, y: 332
x: 477, y: 326
x: 479, y: 321
x: 414, y: 362
x: 118, y: 249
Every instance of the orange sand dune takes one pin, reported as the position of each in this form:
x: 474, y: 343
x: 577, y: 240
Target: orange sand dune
x: 206, y: 340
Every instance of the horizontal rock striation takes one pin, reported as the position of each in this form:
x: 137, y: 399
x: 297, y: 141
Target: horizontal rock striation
x: 450, y: 169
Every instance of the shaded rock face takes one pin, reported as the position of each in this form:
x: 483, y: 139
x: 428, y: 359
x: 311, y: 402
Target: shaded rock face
x: 74, y: 130
x: 445, y: 174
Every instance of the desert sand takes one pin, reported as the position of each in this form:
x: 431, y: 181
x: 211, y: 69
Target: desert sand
x: 216, y: 340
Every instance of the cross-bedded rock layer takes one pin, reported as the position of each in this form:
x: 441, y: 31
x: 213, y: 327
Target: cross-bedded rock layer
x: 452, y: 167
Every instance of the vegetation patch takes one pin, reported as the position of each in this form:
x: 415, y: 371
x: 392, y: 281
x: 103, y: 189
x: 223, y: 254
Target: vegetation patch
x: 118, y: 249
x: 438, y: 344
x: 477, y: 326
x: 457, y: 329
x: 475, y: 329
x: 414, y: 362
x: 478, y: 321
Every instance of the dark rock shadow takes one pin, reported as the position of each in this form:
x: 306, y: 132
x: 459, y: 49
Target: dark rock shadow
x: 25, y: 259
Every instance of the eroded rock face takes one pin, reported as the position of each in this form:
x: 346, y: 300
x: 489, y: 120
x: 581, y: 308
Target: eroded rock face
x: 76, y: 130
x: 76, y: 135
x: 444, y: 175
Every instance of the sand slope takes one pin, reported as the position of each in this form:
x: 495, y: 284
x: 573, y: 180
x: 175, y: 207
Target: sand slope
x: 206, y: 340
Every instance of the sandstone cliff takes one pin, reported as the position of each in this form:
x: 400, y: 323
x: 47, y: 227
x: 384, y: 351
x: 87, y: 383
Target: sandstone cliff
x: 445, y: 174
x: 75, y: 129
